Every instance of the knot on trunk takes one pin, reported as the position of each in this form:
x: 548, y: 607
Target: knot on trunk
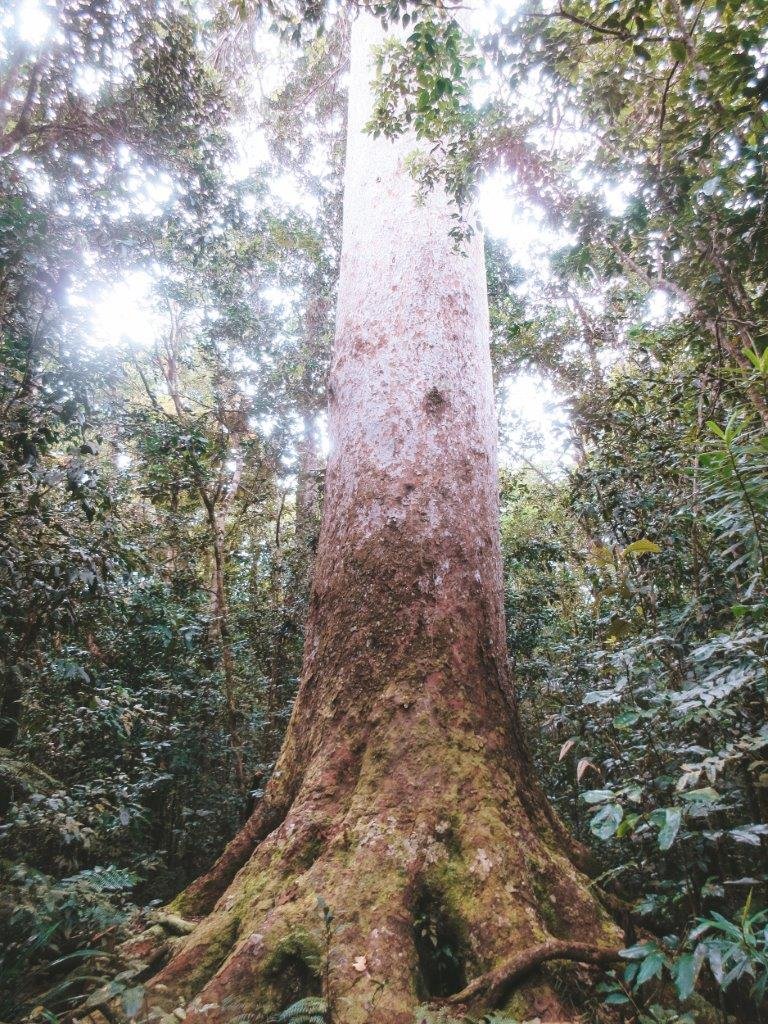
x: 435, y: 401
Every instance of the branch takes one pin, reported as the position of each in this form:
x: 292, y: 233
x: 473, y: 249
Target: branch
x: 8, y: 84
x: 9, y: 139
x: 663, y: 114
x: 341, y: 66
x: 494, y: 986
x: 539, y: 472
x: 662, y: 283
x: 682, y: 27
x: 150, y: 393
x: 618, y: 33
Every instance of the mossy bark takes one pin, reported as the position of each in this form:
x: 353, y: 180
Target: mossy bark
x: 403, y: 800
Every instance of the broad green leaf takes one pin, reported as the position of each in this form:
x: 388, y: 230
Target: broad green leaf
x: 596, y: 796
x: 616, y: 999
x: 685, y: 973
x: 749, y: 834
x: 705, y: 795
x: 651, y: 967
x: 627, y: 825
x: 606, y: 821
x: 626, y: 719
x: 638, y: 951
x: 668, y: 832
x: 599, y: 697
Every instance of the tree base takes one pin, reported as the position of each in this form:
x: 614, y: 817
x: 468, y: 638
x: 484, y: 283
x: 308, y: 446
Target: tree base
x: 405, y: 872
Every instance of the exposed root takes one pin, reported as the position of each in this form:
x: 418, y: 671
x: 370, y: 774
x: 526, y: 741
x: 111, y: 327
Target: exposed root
x: 387, y: 883
x: 492, y: 988
x: 388, y: 864
x: 140, y: 957
x: 173, y: 923
x: 397, y: 892
x: 199, y: 898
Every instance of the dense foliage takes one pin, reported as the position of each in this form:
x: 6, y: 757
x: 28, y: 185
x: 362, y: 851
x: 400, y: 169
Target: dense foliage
x: 159, y: 494
x: 160, y: 500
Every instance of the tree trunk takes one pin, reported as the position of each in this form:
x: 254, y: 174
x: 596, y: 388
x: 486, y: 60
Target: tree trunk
x: 220, y: 634
x: 308, y: 502
x: 403, y: 800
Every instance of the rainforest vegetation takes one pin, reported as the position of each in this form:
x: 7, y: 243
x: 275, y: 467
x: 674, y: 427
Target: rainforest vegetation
x: 171, y: 184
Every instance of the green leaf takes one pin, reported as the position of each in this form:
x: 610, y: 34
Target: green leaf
x: 599, y: 697
x: 627, y: 825
x: 716, y: 429
x: 638, y: 951
x: 705, y: 795
x: 685, y: 973
x: 616, y: 999
x: 749, y: 834
x: 642, y: 547
x: 300, y: 1012
x: 596, y: 796
x: 651, y: 967
x: 754, y: 358
x: 606, y: 821
x: 79, y: 954
x: 673, y: 816
x: 626, y: 719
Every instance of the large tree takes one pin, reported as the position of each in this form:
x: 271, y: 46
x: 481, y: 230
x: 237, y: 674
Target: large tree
x: 403, y: 850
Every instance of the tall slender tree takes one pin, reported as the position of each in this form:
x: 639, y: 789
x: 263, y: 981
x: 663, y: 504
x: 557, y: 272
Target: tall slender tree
x: 402, y: 851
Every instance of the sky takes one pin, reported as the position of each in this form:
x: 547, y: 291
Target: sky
x: 531, y: 411
x: 30, y: 20
x: 125, y: 313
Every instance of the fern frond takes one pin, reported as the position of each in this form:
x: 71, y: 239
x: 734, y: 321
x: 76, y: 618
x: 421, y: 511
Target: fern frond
x: 310, y: 1010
